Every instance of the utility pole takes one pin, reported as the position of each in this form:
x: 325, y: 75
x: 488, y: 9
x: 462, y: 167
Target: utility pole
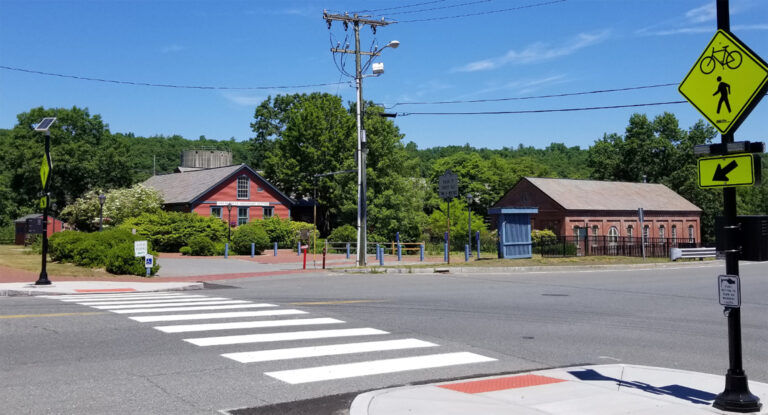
x: 362, y: 208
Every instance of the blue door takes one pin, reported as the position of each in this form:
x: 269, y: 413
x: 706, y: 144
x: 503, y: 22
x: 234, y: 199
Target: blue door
x: 515, y: 236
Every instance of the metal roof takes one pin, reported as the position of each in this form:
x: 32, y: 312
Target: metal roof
x: 574, y: 194
x: 188, y: 186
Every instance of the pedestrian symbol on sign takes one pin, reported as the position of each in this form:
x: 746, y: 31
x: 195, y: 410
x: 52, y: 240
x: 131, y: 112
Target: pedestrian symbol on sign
x: 724, y: 90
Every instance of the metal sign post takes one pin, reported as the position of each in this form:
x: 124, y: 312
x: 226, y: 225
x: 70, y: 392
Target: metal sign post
x: 448, y: 188
x: 724, y: 59
x: 45, y: 176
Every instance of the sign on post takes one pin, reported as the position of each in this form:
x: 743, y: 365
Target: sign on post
x: 726, y: 82
x: 149, y: 261
x: 728, y: 171
x: 139, y: 248
x: 45, y: 170
x: 729, y: 290
x: 448, y: 185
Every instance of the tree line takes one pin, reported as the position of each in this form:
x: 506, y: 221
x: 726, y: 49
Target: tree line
x: 300, y: 136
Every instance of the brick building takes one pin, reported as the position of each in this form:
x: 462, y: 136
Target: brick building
x: 572, y: 207
x: 213, y: 192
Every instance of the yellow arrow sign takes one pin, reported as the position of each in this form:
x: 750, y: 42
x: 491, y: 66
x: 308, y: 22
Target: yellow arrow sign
x: 45, y: 169
x: 729, y: 171
x: 726, y: 82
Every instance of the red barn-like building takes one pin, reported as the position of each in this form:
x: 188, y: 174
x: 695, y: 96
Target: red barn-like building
x: 568, y: 206
x: 211, y: 192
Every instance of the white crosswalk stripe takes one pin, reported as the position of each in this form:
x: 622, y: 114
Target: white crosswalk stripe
x: 330, y: 350
x: 168, y: 300
x: 168, y: 307
x: 275, y: 337
x: 185, y: 328
x: 211, y: 316
x: 138, y: 306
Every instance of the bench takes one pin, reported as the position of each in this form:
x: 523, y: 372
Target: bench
x: 701, y: 253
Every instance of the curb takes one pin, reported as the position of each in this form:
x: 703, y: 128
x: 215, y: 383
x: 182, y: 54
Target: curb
x: 505, y: 270
x: 31, y: 290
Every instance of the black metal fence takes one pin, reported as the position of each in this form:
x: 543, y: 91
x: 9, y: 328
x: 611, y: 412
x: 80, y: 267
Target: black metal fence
x: 569, y: 246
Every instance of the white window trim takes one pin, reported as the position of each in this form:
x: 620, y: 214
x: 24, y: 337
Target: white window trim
x: 247, y: 215
x: 247, y: 187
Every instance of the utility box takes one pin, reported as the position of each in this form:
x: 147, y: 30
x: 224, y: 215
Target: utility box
x: 514, y: 225
x: 753, y: 237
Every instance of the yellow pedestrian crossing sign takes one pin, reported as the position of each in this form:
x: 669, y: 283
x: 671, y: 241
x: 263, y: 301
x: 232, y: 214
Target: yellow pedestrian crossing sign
x: 726, y: 82
x: 45, y: 169
x: 728, y: 171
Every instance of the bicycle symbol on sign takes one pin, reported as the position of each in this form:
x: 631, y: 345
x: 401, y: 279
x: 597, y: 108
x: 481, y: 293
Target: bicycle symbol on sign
x: 730, y: 59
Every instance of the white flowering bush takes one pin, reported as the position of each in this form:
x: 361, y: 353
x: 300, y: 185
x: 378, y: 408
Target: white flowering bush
x: 119, y: 205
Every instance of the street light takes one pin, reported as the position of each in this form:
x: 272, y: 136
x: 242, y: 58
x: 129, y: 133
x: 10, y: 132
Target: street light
x: 229, y: 222
x: 102, y: 199
x: 362, y: 209
x: 469, y: 225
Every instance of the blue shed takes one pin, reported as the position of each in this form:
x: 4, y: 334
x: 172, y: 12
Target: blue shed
x: 514, y: 225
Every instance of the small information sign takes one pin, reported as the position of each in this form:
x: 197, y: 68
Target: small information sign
x: 728, y: 171
x: 148, y: 261
x: 448, y: 185
x: 729, y: 290
x: 139, y: 248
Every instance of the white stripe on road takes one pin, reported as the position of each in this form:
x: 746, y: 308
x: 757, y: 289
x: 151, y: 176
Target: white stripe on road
x: 331, y: 350
x: 169, y: 300
x: 377, y: 367
x: 276, y: 337
x: 137, y: 306
x: 209, y: 316
x: 246, y: 325
x: 200, y: 308
x: 85, y: 297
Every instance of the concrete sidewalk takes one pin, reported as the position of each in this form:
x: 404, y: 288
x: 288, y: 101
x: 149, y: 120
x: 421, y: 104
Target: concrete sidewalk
x: 587, y: 390
x: 92, y: 287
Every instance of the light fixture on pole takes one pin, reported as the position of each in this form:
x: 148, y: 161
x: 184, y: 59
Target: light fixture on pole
x: 102, y: 199
x: 45, y: 175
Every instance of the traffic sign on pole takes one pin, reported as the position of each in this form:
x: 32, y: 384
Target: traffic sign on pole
x: 728, y: 171
x: 726, y: 82
x: 45, y: 170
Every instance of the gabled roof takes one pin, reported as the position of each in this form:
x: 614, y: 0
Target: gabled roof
x: 189, y: 186
x: 599, y: 195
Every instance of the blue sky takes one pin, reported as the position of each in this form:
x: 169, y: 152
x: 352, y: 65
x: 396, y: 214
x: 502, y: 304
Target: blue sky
x: 557, y: 48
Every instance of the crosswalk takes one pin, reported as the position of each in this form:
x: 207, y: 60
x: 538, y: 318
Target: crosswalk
x: 244, y: 324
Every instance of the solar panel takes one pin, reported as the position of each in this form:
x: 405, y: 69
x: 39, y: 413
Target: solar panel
x: 45, y: 124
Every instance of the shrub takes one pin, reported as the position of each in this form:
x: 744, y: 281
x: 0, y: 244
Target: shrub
x: 169, y: 231
x: 543, y: 237
x: 120, y: 260
x: 185, y: 250
x: 61, y: 245
x: 250, y: 233
x: 281, y: 231
x: 346, y: 233
x: 219, y: 247
x: 200, y: 246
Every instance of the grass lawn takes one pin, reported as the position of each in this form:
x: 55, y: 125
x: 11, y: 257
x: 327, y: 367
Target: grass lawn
x: 18, y: 257
x: 490, y: 260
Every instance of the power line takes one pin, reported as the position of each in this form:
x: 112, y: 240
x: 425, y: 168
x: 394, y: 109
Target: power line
x: 112, y: 81
x: 400, y: 7
x: 569, y: 94
x: 405, y: 114
x: 483, y: 13
x: 442, y: 7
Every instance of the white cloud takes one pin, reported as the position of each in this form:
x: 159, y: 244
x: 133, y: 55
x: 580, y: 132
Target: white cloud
x: 244, y: 99
x: 172, y: 48
x: 536, y: 52
x: 705, y: 13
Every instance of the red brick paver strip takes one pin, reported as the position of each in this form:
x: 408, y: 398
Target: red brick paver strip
x: 498, y: 384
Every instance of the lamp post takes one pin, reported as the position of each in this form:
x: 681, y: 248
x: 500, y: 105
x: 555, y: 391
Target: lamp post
x: 469, y: 222
x: 229, y: 222
x: 45, y: 170
x: 102, y: 199
x: 362, y: 209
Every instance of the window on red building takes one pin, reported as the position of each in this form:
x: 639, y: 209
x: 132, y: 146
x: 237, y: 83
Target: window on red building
x: 243, y: 187
x: 268, y: 212
x: 216, y: 211
x: 242, y: 216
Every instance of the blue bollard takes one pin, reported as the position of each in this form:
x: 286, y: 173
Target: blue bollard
x: 347, y: 250
x: 226, y: 250
x: 298, y: 249
x: 275, y: 248
x: 445, y: 251
x: 477, y: 238
x: 421, y: 252
x: 253, y: 249
x: 399, y: 252
x: 381, y: 255
x: 466, y: 253
x: 379, y: 251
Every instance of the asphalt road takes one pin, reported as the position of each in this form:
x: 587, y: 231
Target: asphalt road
x: 62, y: 357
